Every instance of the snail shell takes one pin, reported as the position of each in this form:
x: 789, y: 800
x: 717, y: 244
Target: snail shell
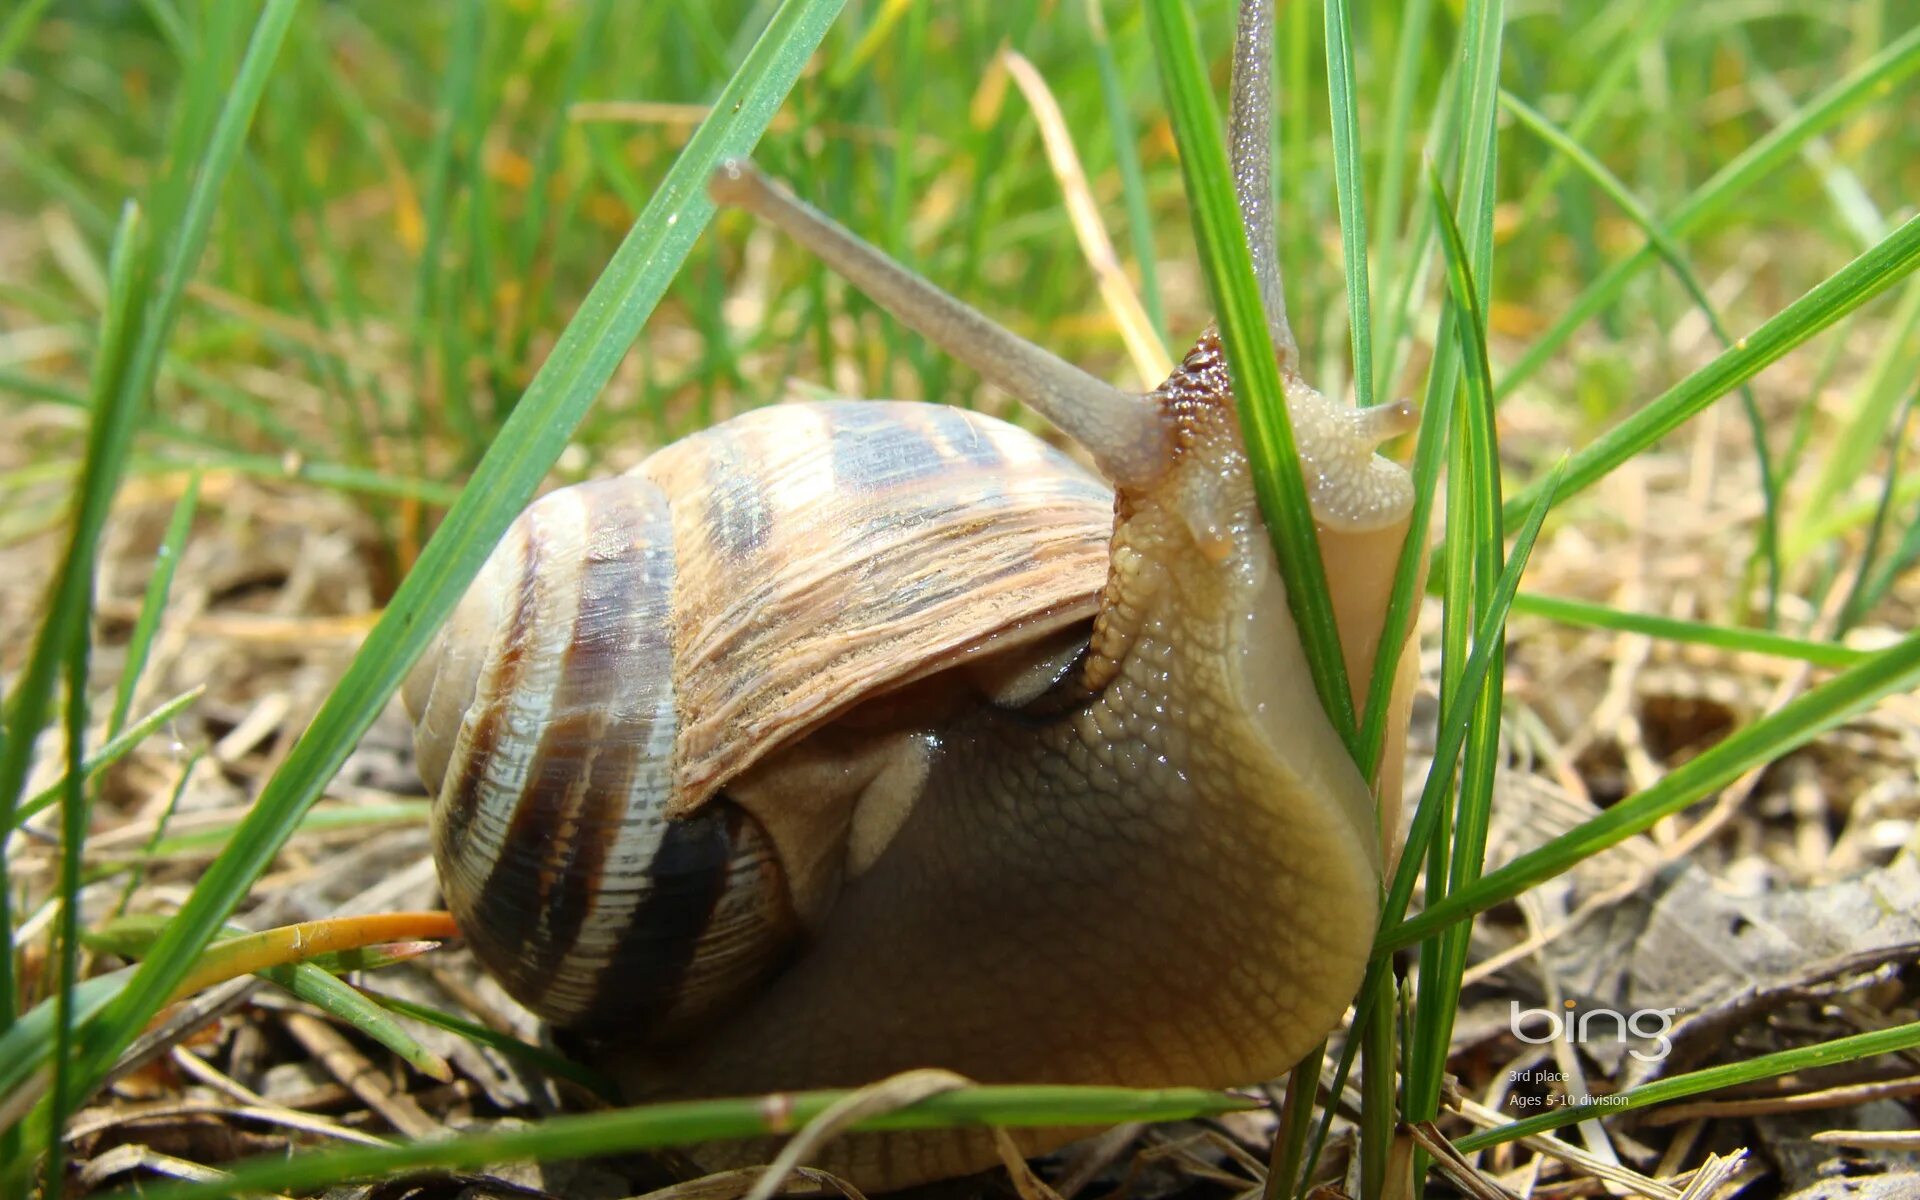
x: 634, y: 644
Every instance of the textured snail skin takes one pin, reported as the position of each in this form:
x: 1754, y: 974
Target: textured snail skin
x: 1163, y: 872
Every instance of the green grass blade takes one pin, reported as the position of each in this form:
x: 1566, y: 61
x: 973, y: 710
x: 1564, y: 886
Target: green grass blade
x: 18, y: 27
x: 1597, y: 173
x: 26, y: 1046
x: 1895, y: 363
x: 1697, y: 633
x: 126, y: 377
x: 346, y: 1004
x: 1489, y: 640
x: 1250, y: 354
x: 64, y: 632
x: 152, y: 604
x: 1475, y: 564
x: 1620, y: 56
x: 1875, y: 574
x: 623, y: 1130
x: 1379, y: 1083
x: 312, y: 981
x: 109, y: 437
x: 1133, y: 184
x: 319, y: 819
x: 138, y: 874
x: 1871, y: 80
x: 453, y: 113
x: 117, y: 748
x: 339, y: 477
x: 587, y: 41
x: 1351, y: 192
x: 1296, y: 1123
x: 1841, y: 293
x: 1403, y: 606
x: 1894, y: 669
x: 541, y: 1059
x: 1416, y: 16
x: 1895, y: 565
x: 1855, y: 1048
x: 1484, y: 25
x: 602, y: 330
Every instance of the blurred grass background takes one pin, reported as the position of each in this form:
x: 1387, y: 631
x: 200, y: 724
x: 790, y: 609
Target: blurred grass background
x: 429, y: 190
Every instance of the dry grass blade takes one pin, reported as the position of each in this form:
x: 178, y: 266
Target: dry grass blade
x: 1453, y: 1164
x: 88, y: 1124
x: 888, y: 1095
x: 1150, y: 358
x: 1871, y: 1139
x: 124, y: 1159
x: 1581, y: 1160
x: 1711, y: 1175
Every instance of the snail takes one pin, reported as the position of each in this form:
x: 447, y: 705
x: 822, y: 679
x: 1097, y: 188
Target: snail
x: 851, y: 737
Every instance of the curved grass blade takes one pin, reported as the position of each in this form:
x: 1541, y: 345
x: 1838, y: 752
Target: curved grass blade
x: 1573, y: 152
x: 1796, y: 723
x: 348, y: 1005
x: 1841, y: 293
x: 26, y: 1048
x: 602, y: 330
x: 152, y: 604
x: 1850, y: 453
x: 559, y: 1066
x: 315, y: 979
x: 1871, y: 80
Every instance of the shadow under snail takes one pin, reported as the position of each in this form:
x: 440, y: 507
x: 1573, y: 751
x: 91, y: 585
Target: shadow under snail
x: 851, y: 737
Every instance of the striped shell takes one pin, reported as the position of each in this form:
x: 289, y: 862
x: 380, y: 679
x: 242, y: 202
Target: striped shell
x: 634, y: 643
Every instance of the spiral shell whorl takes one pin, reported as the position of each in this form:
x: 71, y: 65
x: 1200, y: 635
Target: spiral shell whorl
x: 546, y: 726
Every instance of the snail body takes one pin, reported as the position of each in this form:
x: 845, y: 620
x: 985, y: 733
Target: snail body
x: 847, y: 738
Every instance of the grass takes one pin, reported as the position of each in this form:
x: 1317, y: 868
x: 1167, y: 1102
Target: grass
x: 394, y: 208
